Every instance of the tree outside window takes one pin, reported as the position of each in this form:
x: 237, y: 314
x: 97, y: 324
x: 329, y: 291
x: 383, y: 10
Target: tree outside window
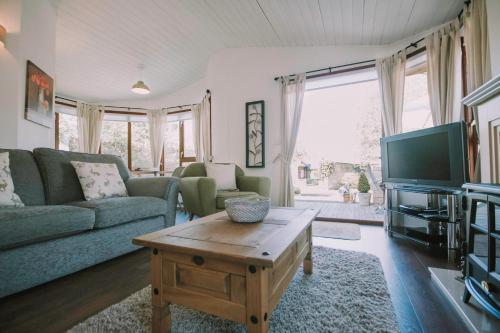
x: 172, y: 149
x: 141, y: 150
x: 68, y: 132
x: 114, y: 139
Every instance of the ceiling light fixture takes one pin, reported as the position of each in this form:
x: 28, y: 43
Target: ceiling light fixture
x: 140, y: 87
x: 3, y: 34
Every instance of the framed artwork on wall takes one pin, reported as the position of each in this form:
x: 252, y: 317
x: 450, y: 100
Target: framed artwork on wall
x: 39, y: 100
x: 255, y: 139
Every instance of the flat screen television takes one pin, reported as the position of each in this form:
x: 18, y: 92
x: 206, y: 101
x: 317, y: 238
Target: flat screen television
x: 434, y: 156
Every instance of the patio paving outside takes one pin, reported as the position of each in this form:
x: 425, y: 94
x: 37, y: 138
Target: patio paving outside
x: 318, y: 194
x: 341, y: 210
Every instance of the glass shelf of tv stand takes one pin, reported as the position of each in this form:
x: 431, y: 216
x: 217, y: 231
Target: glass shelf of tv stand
x: 403, y: 212
x: 428, y: 232
x: 419, y: 237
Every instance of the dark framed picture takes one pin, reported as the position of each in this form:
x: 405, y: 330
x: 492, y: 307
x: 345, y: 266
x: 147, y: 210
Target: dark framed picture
x: 255, y: 139
x: 39, y: 101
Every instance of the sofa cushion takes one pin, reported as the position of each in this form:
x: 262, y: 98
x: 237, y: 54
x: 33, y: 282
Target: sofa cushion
x: 223, y: 195
x: 59, y: 176
x: 32, y: 224
x: 26, y: 177
x: 119, y: 210
x: 8, y: 196
x: 100, y: 180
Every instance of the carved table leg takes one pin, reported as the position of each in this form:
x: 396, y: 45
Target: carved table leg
x: 308, y: 264
x: 257, y: 287
x: 161, y: 321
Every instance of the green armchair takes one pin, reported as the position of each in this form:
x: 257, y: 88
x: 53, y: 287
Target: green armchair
x: 200, y: 194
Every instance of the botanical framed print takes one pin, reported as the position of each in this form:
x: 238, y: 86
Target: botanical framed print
x: 255, y: 134
x: 39, y: 100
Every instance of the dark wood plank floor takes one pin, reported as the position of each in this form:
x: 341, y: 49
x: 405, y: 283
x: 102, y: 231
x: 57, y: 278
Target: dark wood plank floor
x: 59, y: 305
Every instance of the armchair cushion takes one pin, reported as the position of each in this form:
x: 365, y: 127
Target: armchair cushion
x: 197, y: 169
x: 201, y: 196
x: 222, y: 196
x: 224, y: 175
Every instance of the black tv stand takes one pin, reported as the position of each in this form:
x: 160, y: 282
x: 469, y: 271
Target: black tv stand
x: 431, y: 216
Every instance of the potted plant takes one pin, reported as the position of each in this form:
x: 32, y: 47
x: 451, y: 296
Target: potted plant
x: 363, y: 188
x: 345, y: 190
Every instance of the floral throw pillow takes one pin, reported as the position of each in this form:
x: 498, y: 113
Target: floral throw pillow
x: 7, y: 195
x: 99, y: 180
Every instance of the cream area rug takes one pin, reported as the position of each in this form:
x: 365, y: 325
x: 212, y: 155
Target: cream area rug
x: 341, y: 230
x: 347, y: 292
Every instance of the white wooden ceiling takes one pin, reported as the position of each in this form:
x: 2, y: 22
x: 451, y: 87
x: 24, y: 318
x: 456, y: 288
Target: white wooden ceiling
x: 100, y: 43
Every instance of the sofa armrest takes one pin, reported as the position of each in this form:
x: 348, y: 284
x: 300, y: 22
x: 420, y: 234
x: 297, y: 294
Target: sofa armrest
x: 199, y: 194
x: 260, y: 185
x: 166, y: 188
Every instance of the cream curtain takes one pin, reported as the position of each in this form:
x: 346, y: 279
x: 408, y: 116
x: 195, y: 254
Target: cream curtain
x: 157, y: 121
x: 476, y: 44
x: 89, y: 120
x: 292, y: 96
x: 443, y: 83
x: 205, y: 125
x: 391, y: 79
x: 478, y: 59
x: 197, y: 135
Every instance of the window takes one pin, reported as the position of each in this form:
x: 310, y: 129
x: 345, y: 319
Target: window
x: 186, y: 132
x: 338, y: 110
x: 127, y: 135
x: 338, y: 137
x: 67, y: 132
x: 179, y: 141
x: 416, y: 104
x: 114, y: 138
x: 172, y: 149
x: 141, y: 150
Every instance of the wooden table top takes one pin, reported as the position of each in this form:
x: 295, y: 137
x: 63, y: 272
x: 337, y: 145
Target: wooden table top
x: 217, y: 236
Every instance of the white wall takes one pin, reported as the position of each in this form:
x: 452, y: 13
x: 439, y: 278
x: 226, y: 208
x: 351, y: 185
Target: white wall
x: 31, y: 35
x: 493, y: 13
x: 237, y: 76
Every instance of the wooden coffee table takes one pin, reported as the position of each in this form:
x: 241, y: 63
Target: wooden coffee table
x: 231, y: 270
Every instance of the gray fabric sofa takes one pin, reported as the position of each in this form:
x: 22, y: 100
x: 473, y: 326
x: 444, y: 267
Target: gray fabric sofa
x: 58, y: 232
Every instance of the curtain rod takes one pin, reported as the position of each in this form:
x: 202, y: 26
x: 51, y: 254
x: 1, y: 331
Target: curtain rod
x: 329, y: 69
x: 413, y: 44
x: 132, y: 108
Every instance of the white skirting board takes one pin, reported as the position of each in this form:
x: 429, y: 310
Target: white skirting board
x: 473, y: 316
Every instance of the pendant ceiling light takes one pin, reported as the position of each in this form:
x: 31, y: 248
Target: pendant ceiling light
x: 140, y: 87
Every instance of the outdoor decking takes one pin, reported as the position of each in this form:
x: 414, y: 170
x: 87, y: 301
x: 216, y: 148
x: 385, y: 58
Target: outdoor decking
x: 344, y: 211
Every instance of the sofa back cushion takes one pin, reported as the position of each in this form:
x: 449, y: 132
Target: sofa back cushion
x: 59, y: 176
x: 100, y: 180
x: 26, y: 177
x: 198, y: 170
